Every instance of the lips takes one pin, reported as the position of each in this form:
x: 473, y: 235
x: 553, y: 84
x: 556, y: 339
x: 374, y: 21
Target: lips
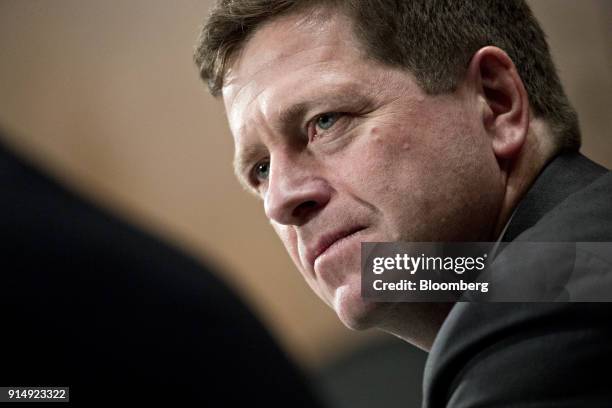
x: 327, y: 240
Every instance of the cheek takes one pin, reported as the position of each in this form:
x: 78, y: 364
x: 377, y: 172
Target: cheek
x: 289, y: 239
x: 390, y: 164
x: 420, y: 178
x: 288, y: 236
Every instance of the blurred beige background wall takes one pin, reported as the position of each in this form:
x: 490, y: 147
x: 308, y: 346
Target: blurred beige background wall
x: 104, y: 95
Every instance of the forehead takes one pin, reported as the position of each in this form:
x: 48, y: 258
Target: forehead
x: 315, y: 32
x: 283, y: 54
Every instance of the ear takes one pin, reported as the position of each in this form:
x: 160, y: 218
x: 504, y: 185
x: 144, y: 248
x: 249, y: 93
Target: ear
x: 505, y: 112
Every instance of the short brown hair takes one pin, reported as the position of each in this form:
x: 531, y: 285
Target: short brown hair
x: 433, y: 39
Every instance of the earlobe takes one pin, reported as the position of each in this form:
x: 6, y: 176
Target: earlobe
x: 506, y: 105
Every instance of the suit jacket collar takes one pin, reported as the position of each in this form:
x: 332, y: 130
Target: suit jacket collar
x: 564, y: 175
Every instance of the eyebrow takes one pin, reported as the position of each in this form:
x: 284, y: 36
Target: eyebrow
x: 247, y: 155
x: 243, y: 159
x: 287, y: 119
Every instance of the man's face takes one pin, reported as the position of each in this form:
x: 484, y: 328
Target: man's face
x: 343, y: 149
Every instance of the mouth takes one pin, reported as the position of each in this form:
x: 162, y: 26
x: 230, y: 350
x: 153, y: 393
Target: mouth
x: 329, y: 241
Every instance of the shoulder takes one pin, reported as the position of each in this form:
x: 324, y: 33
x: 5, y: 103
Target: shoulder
x: 584, y: 216
x: 521, y: 354
x: 528, y: 354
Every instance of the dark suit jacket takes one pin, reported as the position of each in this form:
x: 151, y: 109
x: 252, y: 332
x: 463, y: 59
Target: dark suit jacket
x: 90, y: 302
x: 534, y: 354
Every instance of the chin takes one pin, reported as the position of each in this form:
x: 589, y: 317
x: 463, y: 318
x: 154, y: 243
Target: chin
x: 355, y: 312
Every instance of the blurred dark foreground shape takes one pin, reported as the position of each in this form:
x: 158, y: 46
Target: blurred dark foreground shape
x: 97, y: 305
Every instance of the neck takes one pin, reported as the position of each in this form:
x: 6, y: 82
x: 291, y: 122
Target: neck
x: 521, y: 171
x: 416, y: 323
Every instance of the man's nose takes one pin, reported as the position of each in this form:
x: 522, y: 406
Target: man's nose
x: 295, y: 192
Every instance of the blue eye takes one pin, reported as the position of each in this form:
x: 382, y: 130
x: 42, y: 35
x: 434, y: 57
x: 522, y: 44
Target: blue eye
x: 327, y: 120
x: 262, y: 170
